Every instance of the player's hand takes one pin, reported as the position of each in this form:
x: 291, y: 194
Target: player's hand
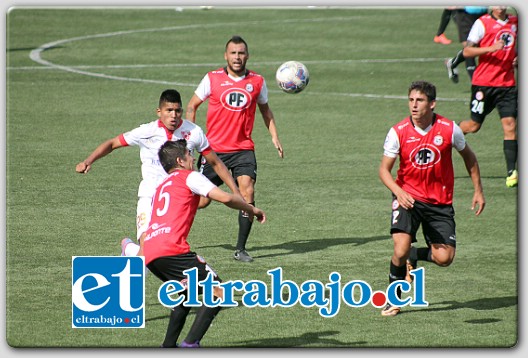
x: 278, y: 146
x: 478, y: 203
x: 259, y: 214
x: 499, y: 45
x: 82, y: 167
x: 405, y: 199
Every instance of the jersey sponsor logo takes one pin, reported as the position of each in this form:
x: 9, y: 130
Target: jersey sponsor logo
x: 235, y: 99
x: 507, y: 37
x: 108, y: 292
x: 185, y: 134
x: 425, y: 156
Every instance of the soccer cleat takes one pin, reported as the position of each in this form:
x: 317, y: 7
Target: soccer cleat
x: 190, y: 345
x: 452, y: 73
x: 242, y: 255
x: 513, y: 179
x: 442, y: 39
x: 124, y: 244
x: 390, y: 310
x: 410, y: 266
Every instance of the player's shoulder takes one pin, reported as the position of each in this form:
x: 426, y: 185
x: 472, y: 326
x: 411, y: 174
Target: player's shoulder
x: 217, y: 72
x: 403, y: 124
x: 251, y: 73
x: 189, y: 126
x: 444, y: 121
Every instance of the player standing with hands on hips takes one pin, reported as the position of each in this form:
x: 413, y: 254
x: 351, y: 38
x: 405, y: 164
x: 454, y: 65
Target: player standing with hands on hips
x: 165, y: 247
x: 423, y: 189
x: 493, y: 39
x: 234, y: 93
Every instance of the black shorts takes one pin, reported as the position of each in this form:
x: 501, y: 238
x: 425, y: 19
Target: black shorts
x: 464, y: 22
x: 438, y: 222
x: 170, y: 268
x: 238, y: 163
x: 486, y: 99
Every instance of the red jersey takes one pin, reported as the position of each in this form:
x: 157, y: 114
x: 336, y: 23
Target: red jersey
x: 231, y: 111
x: 174, y: 207
x: 426, y: 167
x: 496, y: 69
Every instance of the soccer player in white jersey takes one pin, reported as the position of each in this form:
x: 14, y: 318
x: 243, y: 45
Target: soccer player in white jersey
x: 149, y: 137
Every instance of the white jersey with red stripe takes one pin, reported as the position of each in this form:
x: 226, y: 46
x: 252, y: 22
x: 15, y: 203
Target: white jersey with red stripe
x: 495, y: 69
x: 149, y: 137
x: 174, y: 207
x: 231, y: 109
x: 426, y: 167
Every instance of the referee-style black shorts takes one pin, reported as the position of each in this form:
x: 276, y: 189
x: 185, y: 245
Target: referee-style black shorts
x: 239, y: 163
x: 170, y: 268
x: 485, y: 99
x: 438, y: 222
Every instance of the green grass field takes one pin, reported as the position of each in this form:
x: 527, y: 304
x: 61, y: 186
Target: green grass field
x: 99, y: 72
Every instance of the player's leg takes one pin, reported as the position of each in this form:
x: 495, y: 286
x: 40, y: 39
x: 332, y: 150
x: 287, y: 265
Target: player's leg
x: 204, y: 315
x: 507, y: 108
x: 128, y: 247
x: 246, y: 184
x: 403, y: 229
x: 440, y: 233
x: 440, y: 37
x: 244, y: 166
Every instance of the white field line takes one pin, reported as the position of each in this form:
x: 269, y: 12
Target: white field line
x: 36, y: 56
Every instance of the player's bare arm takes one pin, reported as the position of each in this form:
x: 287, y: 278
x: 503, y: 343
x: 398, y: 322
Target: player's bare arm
x: 472, y: 49
x: 220, y: 169
x: 236, y: 202
x: 192, y: 107
x: 102, y: 150
x: 404, y: 198
x: 269, y: 121
x: 472, y: 167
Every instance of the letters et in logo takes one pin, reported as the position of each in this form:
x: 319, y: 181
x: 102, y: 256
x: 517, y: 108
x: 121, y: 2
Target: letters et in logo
x: 108, y: 292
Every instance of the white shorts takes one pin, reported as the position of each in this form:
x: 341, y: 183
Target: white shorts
x: 144, y: 207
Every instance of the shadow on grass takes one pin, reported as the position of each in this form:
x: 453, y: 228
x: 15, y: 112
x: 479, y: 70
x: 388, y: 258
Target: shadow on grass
x: 303, y: 246
x: 481, y: 304
x: 306, y: 339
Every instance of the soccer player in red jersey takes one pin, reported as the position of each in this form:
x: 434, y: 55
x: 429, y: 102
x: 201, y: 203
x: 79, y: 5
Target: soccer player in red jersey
x: 493, y: 39
x: 165, y: 247
x: 423, y: 189
x: 234, y: 93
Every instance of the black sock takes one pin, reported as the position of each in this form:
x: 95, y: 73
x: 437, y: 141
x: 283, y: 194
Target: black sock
x: 244, y: 228
x: 510, y: 152
x: 471, y: 64
x: 397, y: 273
x: 202, y: 321
x: 458, y: 59
x: 424, y: 254
x: 176, y: 322
x: 444, y: 21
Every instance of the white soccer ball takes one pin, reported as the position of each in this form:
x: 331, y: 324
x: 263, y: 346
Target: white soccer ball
x: 292, y: 77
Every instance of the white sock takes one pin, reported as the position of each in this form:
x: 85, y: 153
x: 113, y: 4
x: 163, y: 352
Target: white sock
x: 131, y: 249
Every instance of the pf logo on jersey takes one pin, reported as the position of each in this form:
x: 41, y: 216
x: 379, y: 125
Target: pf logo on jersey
x: 425, y: 156
x: 235, y: 99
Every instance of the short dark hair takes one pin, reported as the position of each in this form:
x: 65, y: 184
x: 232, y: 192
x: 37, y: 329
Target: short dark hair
x: 170, y: 96
x: 169, y: 153
x: 425, y: 87
x: 237, y: 40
